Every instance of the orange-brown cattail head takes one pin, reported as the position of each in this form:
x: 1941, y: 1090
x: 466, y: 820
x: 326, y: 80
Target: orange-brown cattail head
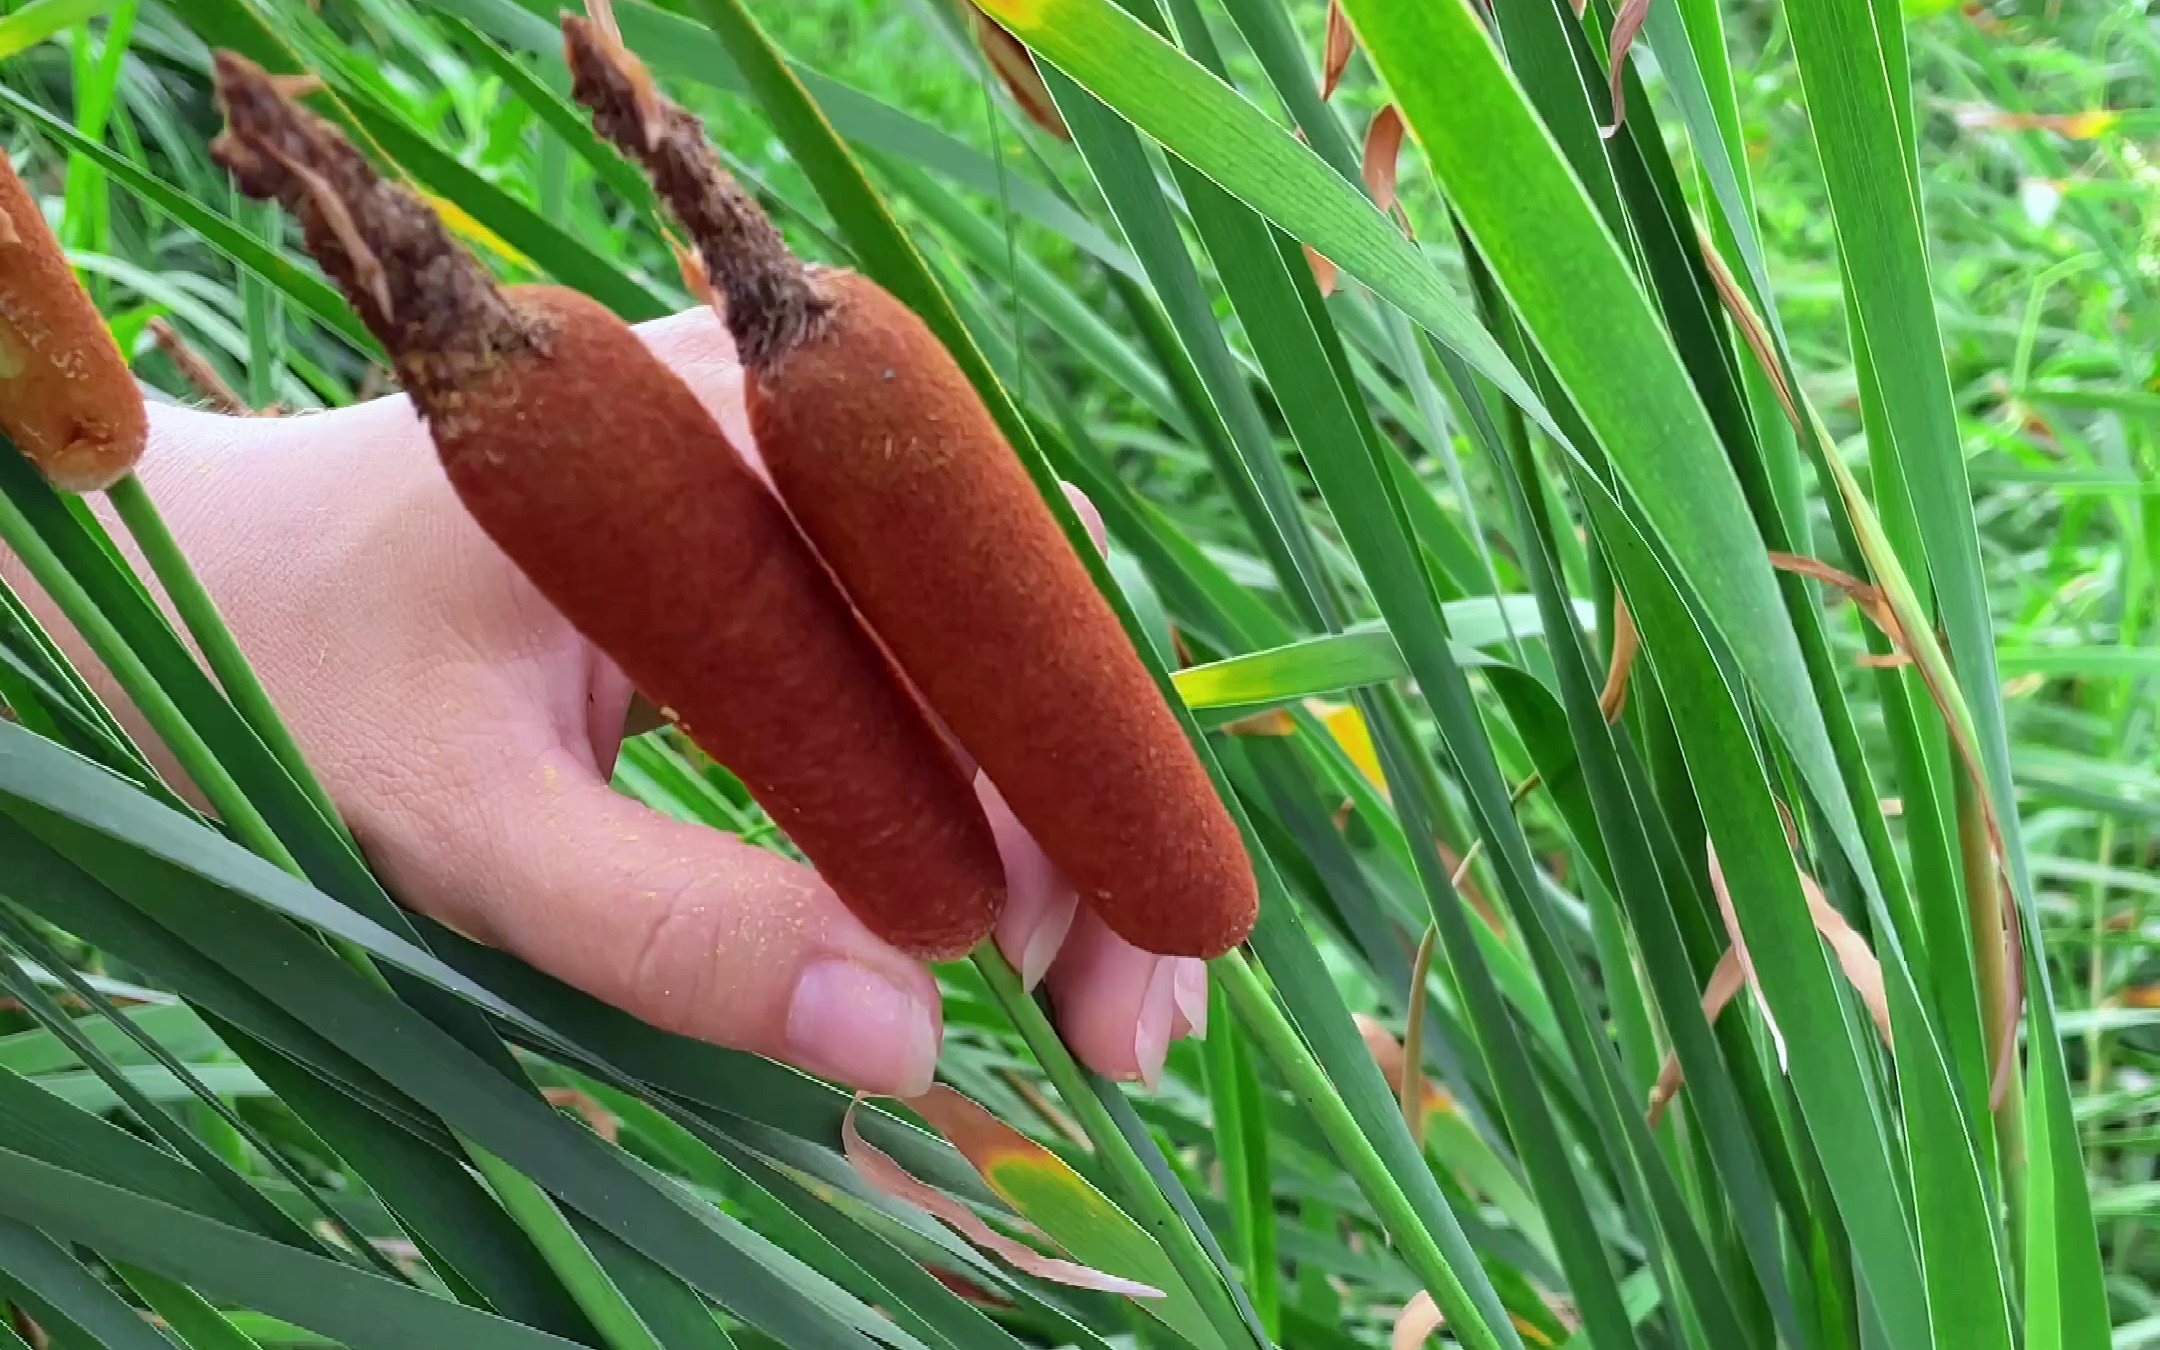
x: 895, y: 469
x: 891, y: 464
x: 597, y: 470
x: 66, y: 397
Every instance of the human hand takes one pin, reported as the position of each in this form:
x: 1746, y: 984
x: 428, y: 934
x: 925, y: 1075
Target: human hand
x: 468, y: 735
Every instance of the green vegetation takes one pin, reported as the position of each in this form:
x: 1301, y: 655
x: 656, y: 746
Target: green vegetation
x: 244, y: 1093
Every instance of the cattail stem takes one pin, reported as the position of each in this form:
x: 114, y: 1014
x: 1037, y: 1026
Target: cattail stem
x: 196, y: 369
x: 431, y: 305
x: 195, y: 757
x: 772, y: 302
x: 199, y: 613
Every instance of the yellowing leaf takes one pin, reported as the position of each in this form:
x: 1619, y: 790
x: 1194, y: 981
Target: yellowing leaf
x: 2085, y: 126
x: 1347, y: 725
x: 42, y: 19
x: 460, y: 223
x: 2075, y: 126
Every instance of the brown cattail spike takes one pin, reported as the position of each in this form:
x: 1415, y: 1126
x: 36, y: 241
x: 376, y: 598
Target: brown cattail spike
x: 66, y: 397
x: 891, y: 464
x: 597, y: 470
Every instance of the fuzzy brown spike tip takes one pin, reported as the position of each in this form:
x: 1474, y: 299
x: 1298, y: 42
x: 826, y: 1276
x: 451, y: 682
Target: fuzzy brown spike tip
x: 772, y: 302
x: 434, y: 308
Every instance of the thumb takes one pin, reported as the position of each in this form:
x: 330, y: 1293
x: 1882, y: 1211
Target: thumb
x: 684, y: 927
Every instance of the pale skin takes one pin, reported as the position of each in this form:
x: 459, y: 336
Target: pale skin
x: 467, y: 734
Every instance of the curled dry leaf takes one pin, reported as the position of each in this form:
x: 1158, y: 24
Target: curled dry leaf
x: 1734, y: 969
x: 1465, y: 885
x: 1750, y: 325
x: 1418, y: 1319
x: 1861, y: 968
x: 1410, y: 1092
x: 1725, y: 981
x: 1626, y: 25
x: 1612, y: 699
x: 1868, y: 597
x: 1931, y: 666
x: 879, y: 1170
x: 1421, y: 1317
x: 1383, y: 160
x: 601, y: 1119
x: 1935, y: 677
x: 1015, y: 67
x: 1335, y: 56
x: 1739, y: 946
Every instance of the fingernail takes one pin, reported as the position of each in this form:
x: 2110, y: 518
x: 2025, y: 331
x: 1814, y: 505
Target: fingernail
x: 1043, y: 941
x: 1151, y: 1038
x: 848, y: 1022
x: 1190, y: 988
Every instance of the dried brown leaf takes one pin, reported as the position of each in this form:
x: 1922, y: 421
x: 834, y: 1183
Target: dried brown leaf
x: 1725, y: 981
x: 601, y: 1119
x: 1754, y: 333
x: 1419, y: 1319
x: 1612, y: 699
x: 1387, y: 1053
x: 1383, y: 161
x: 1739, y: 946
x: 1324, y: 273
x: 1335, y: 56
x: 1016, y: 69
x: 1861, y: 968
x: 1410, y: 1092
x: 1626, y: 25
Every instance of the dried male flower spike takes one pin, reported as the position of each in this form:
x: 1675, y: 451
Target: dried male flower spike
x: 597, y: 470
x: 66, y: 397
x: 892, y: 465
